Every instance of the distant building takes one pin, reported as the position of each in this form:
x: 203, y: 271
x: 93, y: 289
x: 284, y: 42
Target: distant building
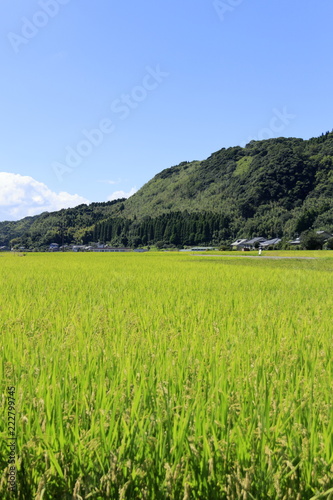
x: 254, y: 243
x: 270, y: 243
x: 239, y: 244
x: 109, y: 249
x: 297, y: 241
x: 78, y: 248
x: 201, y: 249
x: 247, y: 244
x: 324, y: 235
x: 54, y: 247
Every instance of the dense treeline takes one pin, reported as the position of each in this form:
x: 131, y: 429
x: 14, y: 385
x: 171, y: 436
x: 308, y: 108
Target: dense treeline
x: 282, y: 173
x: 275, y: 188
x: 175, y: 228
x: 70, y: 225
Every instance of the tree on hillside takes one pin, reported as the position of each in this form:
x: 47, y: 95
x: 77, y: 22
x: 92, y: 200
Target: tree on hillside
x: 311, y: 241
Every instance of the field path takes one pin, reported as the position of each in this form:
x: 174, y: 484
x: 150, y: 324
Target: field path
x: 255, y: 257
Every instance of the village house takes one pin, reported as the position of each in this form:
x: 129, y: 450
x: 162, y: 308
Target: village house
x: 109, y: 249
x: 269, y: 243
x: 238, y: 244
x: 54, y: 247
x: 297, y: 241
x: 202, y: 249
x: 254, y: 243
x: 324, y: 235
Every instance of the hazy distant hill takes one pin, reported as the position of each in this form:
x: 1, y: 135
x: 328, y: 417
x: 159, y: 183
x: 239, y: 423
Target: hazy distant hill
x: 274, y: 187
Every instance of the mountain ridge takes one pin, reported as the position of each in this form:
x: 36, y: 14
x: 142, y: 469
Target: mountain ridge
x: 277, y: 187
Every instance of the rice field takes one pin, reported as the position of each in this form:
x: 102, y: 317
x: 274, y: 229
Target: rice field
x: 167, y: 376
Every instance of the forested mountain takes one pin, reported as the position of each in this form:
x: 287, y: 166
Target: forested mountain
x: 70, y: 223
x: 276, y: 187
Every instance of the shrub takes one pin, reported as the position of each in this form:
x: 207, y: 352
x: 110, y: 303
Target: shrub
x: 311, y: 241
x: 329, y: 244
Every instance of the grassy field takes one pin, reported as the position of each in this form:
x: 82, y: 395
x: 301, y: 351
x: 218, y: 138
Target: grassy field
x: 168, y: 376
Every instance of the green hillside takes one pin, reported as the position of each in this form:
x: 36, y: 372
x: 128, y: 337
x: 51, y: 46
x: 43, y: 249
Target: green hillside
x: 284, y: 173
x: 46, y: 228
x: 277, y: 187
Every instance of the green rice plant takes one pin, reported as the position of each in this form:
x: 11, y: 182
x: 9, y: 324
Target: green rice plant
x: 173, y: 376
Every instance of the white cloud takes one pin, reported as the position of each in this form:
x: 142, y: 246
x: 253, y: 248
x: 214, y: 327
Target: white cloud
x: 21, y: 195
x: 121, y: 194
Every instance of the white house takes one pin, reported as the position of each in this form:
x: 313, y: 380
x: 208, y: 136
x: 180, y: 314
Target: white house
x: 238, y: 244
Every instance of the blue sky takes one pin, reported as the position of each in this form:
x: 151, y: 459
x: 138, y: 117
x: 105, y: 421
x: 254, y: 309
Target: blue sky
x: 98, y: 97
